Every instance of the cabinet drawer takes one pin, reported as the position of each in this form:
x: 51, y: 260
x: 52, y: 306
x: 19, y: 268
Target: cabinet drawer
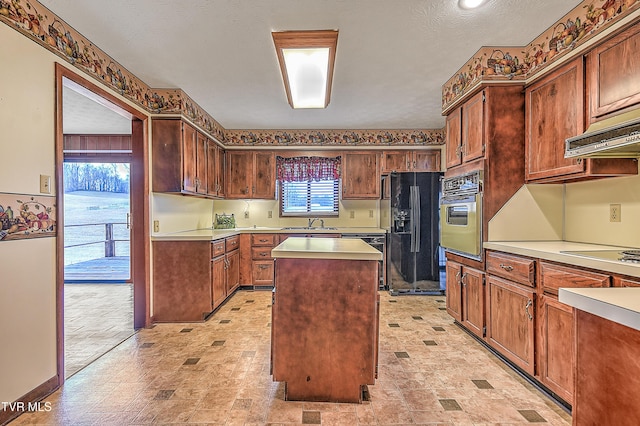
x: 624, y: 282
x: 263, y: 239
x: 515, y: 268
x: 261, y: 253
x: 553, y: 277
x: 217, y: 248
x: 263, y: 272
x: 232, y: 243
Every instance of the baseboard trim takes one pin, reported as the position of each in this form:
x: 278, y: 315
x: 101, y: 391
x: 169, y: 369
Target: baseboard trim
x: 35, y: 395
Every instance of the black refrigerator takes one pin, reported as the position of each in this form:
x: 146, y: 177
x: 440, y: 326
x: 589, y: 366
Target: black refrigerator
x: 413, y: 225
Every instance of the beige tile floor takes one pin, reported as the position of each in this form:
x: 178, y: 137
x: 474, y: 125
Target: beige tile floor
x: 217, y: 372
x: 97, y: 317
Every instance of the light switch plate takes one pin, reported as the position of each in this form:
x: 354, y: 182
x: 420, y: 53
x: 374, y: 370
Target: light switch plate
x: 45, y: 184
x: 156, y: 226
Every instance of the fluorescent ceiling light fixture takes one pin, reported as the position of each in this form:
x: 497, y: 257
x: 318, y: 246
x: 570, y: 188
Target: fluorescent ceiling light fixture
x: 306, y: 62
x: 470, y: 4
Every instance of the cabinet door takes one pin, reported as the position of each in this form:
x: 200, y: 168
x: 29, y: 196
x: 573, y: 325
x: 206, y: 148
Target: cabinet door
x: 218, y: 286
x: 473, y: 301
x: 220, y: 171
x: 473, y: 128
x: 426, y: 160
x: 454, y: 138
x: 454, y: 290
x: 201, y: 163
x: 510, y: 321
x: 554, y: 112
x: 264, y: 180
x: 212, y: 169
x: 396, y: 161
x: 555, y: 346
x: 189, y: 153
x: 233, y: 271
x: 239, y: 174
x: 360, y: 175
x: 613, y: 74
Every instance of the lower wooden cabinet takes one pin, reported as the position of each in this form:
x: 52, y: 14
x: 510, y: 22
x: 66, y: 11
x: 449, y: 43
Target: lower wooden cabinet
x: 218, y: 285
x: 473, y: 301
x: 181, y: 281
x: 454, y: 290
x: 511, y: 321
x: 555, y: 346
x: 225, y: 269
x: 466, y: 296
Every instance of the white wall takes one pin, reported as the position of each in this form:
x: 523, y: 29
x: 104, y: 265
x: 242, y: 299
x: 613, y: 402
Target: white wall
x: 27, y: 267
x: 365, y: 213
x: 587, y: 211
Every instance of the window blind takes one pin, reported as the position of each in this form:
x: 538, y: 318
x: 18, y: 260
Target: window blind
x: 310, y: 198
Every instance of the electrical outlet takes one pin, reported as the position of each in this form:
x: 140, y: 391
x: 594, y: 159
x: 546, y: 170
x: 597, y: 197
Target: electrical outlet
x: 45, y: 184
x: 270, y: 214
x: 370, y: 213
x: 615, y: 213
x: 352, y: 214
x: 246, y: 215
x: 156, y: 226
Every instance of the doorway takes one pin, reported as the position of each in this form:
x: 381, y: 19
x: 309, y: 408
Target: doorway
x: 114, y: 160
x: 98, y: 296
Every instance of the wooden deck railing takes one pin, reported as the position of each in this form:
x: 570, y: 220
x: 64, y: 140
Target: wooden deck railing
x: 109, y: 241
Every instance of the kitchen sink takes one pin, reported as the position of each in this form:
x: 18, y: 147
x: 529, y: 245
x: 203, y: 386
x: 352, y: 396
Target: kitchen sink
x: 309, y: 228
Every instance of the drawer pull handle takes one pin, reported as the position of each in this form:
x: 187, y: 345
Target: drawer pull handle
x: 263, y: 266
x: 458, y: 278
x: 526, y: 309
x: 507, y: 268
x: 263, y: 254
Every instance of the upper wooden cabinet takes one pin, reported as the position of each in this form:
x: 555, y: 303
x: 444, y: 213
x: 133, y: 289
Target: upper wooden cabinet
x: 613, y: 75
x: 426, y: 160
x: 179, y: 157
x: 454, y: 138
x: 215, y: 170
x: 465, y: 131
x: 488, y: 126
x: 555, y: 110
x: 360, y: 175
x: 251, y: 174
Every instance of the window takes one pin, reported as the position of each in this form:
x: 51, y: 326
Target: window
x: 309, y: 186
x: 309, y: 198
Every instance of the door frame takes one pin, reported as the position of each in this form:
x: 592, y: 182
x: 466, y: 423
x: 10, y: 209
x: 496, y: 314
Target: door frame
x: 139, y: 180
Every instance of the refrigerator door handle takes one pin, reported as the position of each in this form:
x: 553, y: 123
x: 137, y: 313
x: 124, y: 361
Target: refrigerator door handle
x: 417, y: 216
x: 412, y: 243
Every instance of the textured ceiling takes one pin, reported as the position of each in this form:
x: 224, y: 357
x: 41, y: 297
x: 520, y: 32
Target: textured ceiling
x: 392, y: 58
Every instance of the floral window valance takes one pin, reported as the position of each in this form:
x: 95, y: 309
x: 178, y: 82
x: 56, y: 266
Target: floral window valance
x: 301, y: 169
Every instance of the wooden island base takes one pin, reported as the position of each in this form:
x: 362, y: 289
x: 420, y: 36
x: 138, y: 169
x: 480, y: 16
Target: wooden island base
x: 325, y: 328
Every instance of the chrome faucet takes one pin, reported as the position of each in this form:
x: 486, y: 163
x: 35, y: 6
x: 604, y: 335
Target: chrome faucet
x: 312, y: 221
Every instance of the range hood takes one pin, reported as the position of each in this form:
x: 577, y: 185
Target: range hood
x: 615, y: 137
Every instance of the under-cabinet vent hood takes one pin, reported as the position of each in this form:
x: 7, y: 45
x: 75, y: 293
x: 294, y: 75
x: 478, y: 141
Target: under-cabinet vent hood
x: 615, y: 137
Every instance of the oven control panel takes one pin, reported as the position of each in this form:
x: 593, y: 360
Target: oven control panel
x: 470, y: 183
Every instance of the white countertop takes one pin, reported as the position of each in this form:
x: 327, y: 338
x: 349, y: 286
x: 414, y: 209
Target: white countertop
x: 554, y: 251
x: 325, y: 248
x: 617, y: 304
x: 214, y: 234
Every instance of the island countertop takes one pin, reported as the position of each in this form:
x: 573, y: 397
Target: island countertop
x: 325, y: 248
x: 617, y: 304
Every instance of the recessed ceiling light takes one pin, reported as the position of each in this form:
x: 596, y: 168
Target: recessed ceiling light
x: 470, y: 4
x: 306, y: 62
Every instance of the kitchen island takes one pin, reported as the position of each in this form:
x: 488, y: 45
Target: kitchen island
x: 324, y: 341
x: 607, y: 344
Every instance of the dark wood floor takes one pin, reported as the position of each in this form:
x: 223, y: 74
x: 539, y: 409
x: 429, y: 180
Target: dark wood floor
x: 104, y: 269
